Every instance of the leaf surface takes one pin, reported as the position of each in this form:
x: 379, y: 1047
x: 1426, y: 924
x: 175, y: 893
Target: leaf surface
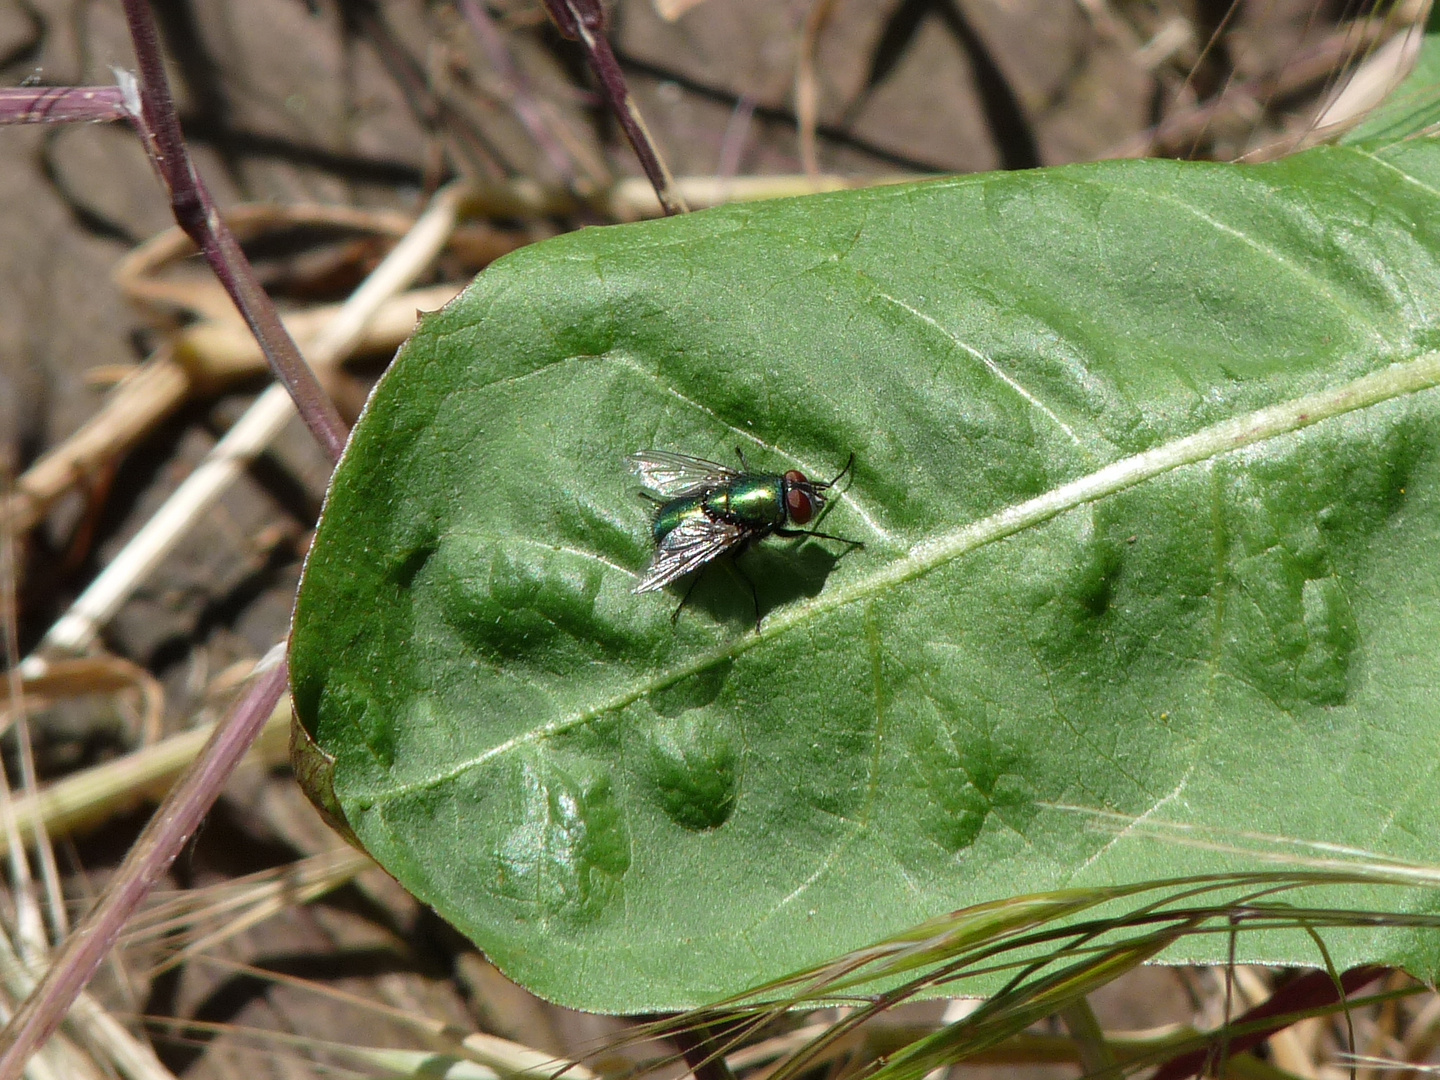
x: 1091, y: 576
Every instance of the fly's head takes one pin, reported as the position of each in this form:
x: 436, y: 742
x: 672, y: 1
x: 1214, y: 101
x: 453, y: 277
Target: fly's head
x: 805, y: 498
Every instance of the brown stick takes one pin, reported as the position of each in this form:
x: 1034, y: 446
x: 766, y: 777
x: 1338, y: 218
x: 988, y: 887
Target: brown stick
x: 159, y: 128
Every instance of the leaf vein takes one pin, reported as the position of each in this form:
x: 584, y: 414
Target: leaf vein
x: 1318, y: 284
x: 994, y: 368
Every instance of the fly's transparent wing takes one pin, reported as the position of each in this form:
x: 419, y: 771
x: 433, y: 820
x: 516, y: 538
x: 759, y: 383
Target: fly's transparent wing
x: 673, y: 475
x: 689, y: 546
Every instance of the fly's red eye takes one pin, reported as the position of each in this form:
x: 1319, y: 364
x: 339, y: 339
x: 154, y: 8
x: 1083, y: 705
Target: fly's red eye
x: 799, y: 505
x: 795, y: 476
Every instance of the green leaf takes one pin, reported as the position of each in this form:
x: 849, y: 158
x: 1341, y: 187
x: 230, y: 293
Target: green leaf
x: 1146, y: 472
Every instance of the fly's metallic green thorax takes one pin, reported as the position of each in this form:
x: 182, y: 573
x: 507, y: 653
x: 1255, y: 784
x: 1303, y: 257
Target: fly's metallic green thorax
x: 754, y: 501
x: 707, y: 509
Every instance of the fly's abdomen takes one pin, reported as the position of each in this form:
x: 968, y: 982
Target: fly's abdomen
x: 670, y: 515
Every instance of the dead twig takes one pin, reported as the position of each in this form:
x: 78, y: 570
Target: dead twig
x: 159, y: 127
x: 584, y: 21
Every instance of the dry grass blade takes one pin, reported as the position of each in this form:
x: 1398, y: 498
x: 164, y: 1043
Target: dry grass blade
x: 1051, y: 961
x: 807, y: 84
x: 391, y: 1063
x: 78, y: 627
x: 74, y: 964
x: 84, y: 799
x: 1373, y: 80
x: 216, y: 353
x: 1321, y: 63
x: 139, y: 273
x: 508, y: 1058
x: 633, y: 199
x: 142, y: 400
x: 29, y: 929
x: 62, y: 679
x: 670, y: 10
x: 200, y: 919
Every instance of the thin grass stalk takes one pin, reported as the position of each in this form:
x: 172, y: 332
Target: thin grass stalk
x: 807, y: 85
x: 28, y: 930
x: 1077, y: 941
x: 584, y: 21
x: 302, y: 883
x: 1313, y: 990
x: 389, y: 1063
x: 159, y: 127
x: 980, y: 1038
x: 173, y: 824
x: 1010, y: 1012
x: 1204, y: 1046
x: 703, y: 1053
x: 947, y: 949
x: 56, y: 916
x: 513, y: 1060
x: 471, y: 151
x: 116, y: 786
x: 31, y: 935
x: 1096, y: 1056
x: 89, y: 1022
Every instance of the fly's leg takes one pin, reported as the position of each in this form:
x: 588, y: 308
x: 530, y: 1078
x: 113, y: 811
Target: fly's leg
x: 744, y: 465
x: 695, y: 580
x: 754, y: 593
x: 735, y: 566
x: 819, y: 535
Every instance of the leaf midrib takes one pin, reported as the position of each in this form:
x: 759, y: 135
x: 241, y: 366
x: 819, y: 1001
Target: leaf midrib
x: 1272, y: 421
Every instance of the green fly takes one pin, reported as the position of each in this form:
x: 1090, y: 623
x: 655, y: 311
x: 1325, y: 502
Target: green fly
x: 706, y: 510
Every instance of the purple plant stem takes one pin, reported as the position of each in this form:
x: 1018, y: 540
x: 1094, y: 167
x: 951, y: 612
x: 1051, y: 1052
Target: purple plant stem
x: 173, y: 824
x: 180, y: 814
x: 521, y: 102
x: 61, y: 104
x: 159, y: 128
x: 1314, y: 990
x: 584, y: 21
x: 732, y: 143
